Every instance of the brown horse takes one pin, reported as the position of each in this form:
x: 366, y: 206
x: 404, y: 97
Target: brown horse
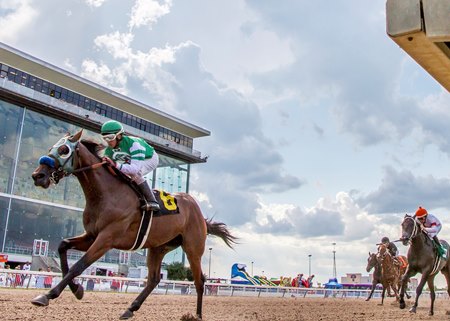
x: 390, y: 273
x: 422, y: 258
x: 374, y: 262
x: 112, y: 218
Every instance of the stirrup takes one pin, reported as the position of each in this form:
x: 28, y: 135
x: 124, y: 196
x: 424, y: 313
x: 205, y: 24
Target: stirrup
x: 150, y: 206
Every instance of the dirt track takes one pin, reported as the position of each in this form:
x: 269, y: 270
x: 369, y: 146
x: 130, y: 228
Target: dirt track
x: 100, y: 306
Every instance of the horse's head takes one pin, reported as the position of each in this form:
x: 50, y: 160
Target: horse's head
x: 371, y: 261
x: 382, y: 249
x: 58, y: 162
x: 410, y: 229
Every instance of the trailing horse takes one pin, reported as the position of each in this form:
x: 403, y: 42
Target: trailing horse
x: 390, y: 273
x: 112, y: 218
x: 422, y: 258
x: 383, y: 274
x: 372, y: 262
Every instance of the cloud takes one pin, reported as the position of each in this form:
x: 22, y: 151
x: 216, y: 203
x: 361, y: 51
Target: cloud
x: 340, y: 218
x: 402, y: 192
x: 147, y: 12
x: 15, y: 18
x: 95, y: 3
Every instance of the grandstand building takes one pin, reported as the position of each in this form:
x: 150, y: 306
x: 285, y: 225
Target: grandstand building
x: 39, y: 103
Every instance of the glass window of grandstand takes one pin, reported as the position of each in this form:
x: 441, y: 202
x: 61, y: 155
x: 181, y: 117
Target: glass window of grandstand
x: 10, y: 119
x: 39, y: 133
x: 171, y: 174
x: 4, y: 203
x: 29, y: 221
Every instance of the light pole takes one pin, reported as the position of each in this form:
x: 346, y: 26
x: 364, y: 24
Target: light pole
x: 309, y: 258
x: 252, y: 268
x: 334, y: 259
x: 209, y: 267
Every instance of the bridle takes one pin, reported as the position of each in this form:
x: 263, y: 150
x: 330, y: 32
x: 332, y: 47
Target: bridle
x: 61, y: 153
x: 415, y: 230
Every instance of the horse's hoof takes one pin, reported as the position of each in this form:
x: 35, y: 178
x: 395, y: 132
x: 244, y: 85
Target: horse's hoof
x: 431, y: 313
x: 40, y: 300
x: 127, y: 314
x: 79, y: 293
x: 402, y: 305
x: 412, y: 310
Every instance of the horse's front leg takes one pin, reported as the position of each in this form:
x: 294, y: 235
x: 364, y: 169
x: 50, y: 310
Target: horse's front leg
x: 383, y: 292
x: 404, y: 284
x: 394, y: 288
x: 154, y: 260
x: 96, y: 251
x: 419, y: 289
x: 374, y: 285
x: 432, y: 294
x: 80, y: 243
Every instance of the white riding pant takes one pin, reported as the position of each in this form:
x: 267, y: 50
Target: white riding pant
x: 146, y: 166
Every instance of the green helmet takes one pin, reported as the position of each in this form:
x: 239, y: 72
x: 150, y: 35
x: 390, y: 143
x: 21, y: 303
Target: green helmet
x: 112, y: 127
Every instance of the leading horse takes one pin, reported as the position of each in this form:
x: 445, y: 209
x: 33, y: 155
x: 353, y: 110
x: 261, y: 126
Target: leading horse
x: 112, y: 218
x: 422, y: 258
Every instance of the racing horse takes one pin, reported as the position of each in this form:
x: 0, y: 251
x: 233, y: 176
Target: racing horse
x: 374, y: 261
x: 390, y: 273
x: 422, y: 258
x: 112, y: 217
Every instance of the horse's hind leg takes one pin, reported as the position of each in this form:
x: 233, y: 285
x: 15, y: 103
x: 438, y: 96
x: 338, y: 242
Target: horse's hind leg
x: 446, y: 272
x: 95, y: 251
x: 80, y: 243
x: 154, y: 260
x: 194, y: 258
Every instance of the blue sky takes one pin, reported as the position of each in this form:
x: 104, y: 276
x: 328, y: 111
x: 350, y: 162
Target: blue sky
x: 323, y: 129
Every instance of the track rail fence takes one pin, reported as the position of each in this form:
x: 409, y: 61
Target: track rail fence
x: 35, y: 280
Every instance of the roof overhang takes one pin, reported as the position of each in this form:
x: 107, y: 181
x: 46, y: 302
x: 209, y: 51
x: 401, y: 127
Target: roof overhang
x: 63, y: 78
x: 422, y: 29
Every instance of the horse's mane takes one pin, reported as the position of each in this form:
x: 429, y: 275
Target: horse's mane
x: 93, y: 147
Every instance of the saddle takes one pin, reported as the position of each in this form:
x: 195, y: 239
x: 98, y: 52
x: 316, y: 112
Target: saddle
x: 167, y: 203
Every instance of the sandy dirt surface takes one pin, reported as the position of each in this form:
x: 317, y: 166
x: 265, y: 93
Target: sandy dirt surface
x: 99, y: 306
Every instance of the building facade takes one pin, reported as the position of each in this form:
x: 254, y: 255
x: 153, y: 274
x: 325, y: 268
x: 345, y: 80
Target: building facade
x: 39, y: 103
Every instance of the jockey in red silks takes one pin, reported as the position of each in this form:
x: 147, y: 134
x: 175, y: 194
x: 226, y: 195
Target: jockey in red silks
x: 431, y: 226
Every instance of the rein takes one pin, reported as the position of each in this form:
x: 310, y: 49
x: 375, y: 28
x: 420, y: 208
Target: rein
x: 93, y: 166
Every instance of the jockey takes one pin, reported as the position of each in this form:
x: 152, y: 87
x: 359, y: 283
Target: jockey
x: 133, y: 156
x: 431, y: 226
x: 390, y: 246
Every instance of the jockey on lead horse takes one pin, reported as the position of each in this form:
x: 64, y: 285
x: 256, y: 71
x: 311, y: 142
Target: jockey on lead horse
x: 431, y: 226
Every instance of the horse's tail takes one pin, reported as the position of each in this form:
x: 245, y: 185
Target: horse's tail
x: 220, y: 230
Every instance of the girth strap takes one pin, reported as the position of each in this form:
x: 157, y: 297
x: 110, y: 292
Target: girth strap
x: 143, y: 231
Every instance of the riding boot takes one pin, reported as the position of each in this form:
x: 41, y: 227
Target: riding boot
x: 151, y: 203
x: 441, y: 249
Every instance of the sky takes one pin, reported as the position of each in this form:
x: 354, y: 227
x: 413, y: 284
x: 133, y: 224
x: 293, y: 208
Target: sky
x: 323, y: 130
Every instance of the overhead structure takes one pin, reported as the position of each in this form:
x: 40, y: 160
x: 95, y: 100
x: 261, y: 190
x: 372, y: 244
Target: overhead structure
x: 422, y: 29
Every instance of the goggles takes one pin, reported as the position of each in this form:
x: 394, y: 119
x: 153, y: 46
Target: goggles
x: 111, y: 137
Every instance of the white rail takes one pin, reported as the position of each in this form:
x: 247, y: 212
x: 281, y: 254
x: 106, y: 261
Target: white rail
x: 33, y: 280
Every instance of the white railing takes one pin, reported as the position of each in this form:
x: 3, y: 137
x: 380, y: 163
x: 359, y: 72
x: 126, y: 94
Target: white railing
x: 33, y: 280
